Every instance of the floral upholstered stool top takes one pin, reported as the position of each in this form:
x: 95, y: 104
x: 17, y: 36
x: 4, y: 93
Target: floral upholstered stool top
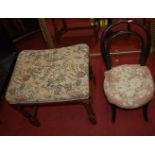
x: 52, y: 75
x: 129, y: 86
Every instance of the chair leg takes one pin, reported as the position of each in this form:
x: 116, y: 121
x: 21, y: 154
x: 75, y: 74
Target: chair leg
x: 128, y: 27
x: 96, y: 30
x: 145, y: 112
x: 113, y: 108
x: 91, y: 75
x: 90, y: 112
x: 32, y: 117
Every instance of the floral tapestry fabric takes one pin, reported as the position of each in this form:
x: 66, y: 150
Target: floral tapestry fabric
x: 51, y: 75
x: 129, y: 86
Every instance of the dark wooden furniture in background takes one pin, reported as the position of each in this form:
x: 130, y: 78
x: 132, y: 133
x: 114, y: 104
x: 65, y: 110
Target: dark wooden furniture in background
x: 152, y: 29
x: 45, y: 32
x: 18, y: 28
x: 8, y: 54
x: 65, y: 27
x: 21, y: 28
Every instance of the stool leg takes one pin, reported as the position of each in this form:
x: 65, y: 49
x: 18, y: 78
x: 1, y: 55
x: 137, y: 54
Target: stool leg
x: 145, y: 112
x: 32, y: 117
x: 89, y: 109
x: 92, y: 76
x: 88, y: 103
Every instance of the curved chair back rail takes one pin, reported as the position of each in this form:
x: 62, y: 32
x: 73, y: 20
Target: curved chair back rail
x: 107, y: 37
x: 106, y: 54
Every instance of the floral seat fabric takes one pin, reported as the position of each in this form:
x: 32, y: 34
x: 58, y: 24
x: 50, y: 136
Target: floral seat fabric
x: 51, y: 75
x: 129, y: 86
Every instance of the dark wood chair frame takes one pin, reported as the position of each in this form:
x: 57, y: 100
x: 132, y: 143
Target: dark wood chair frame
x: 105, y: 44
x: 32, y: 115
x: 8, y: 56
x: 65, y: 28
x: 128, y: 24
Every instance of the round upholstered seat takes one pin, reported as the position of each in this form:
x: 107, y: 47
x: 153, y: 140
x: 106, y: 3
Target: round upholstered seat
x: 129, y: 86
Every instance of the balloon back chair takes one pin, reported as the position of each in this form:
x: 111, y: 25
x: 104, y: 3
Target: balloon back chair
x: 52, y: 76
x: 127, y: 86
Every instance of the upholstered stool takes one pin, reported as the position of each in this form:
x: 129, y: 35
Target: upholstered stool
x: 51, y: 76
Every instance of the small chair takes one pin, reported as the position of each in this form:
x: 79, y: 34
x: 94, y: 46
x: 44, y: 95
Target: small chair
x: 52, y: 76
x: 128, y: 86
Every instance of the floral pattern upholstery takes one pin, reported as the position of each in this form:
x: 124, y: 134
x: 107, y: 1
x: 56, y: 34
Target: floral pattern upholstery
x: 129, y: 86
x: 51, y: 75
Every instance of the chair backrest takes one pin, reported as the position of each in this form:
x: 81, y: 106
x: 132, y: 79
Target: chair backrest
x: 107, y: 36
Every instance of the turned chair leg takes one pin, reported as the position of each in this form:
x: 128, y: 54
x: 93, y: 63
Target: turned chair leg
x: 113, y: 109
x: 32, y: 117
x: 145, y: 112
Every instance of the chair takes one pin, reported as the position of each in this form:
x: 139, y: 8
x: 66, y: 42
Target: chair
x: 8, y: 54
x: 52, y: 76
x: 65, y: 28
x: 128, y: 86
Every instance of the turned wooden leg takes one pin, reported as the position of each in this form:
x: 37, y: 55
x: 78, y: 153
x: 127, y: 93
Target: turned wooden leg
x: 91, y: 114
x: 88, y: 102
x: 113, y: 108
x: 32, y: 117
x: 145, y: 112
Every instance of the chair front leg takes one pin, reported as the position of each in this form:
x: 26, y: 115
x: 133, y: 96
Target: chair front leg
x: 145, y: 112
x: 113, y: 108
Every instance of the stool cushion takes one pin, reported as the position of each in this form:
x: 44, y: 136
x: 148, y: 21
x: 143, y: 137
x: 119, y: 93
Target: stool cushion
x: 129, y: 86
x: 51, y: 75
